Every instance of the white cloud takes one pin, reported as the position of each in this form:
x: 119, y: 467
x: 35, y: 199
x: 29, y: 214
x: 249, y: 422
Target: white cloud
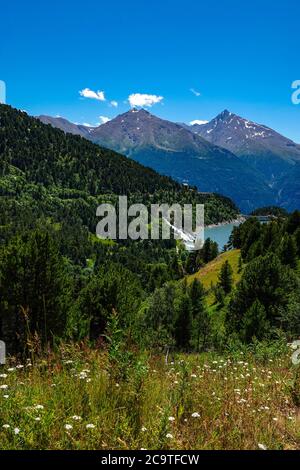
x: 142, y: 99
x: 86, y: 124
x: 114, y: 103
x: 199, y: 122
x: 195, y: 92
x: 94, y: 95
x: 104, y: 119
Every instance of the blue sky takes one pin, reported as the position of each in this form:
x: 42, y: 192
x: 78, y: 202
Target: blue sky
x: 242, y: 56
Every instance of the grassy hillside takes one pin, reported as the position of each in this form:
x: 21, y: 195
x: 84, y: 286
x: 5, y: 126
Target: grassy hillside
x: 209, y: 274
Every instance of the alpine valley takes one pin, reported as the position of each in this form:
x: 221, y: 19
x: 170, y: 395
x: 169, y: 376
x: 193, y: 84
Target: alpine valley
x: 250, y: 163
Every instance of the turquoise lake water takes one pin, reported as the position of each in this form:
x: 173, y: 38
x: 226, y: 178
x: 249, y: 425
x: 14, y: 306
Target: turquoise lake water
x: 220, y: 234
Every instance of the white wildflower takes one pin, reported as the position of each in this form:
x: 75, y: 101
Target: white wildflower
x: 90, y: 426
x: 262, y: 447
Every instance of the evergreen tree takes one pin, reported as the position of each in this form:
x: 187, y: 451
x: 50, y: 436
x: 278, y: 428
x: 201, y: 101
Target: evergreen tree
x: 183, y: 321
x: 288, y: 251
x: 254, y: 324
x: 267, y: 281
x: 226, y: 277
x: 33, y: 290
x: 219, y: 295
x: 201, y: 320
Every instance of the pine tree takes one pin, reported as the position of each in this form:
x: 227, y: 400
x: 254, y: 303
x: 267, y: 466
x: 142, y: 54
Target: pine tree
x: 288, y: 251
x: 201, y: 319
x: 33, y: 297
x: 240, y: 265
x: 226, y: 277
x: 183, y: 321
x: 254, y: 324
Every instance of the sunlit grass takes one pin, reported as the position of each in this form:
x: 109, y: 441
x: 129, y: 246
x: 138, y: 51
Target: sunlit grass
x: 209, y: 273
x: 73, y: 400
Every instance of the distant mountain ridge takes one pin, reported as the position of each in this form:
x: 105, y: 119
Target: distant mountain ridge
x: 258, y: 145
x: 67, y: 126
x: 45, y: 171
x: 230, y: 155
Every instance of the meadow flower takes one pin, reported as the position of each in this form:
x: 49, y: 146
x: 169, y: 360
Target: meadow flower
x: 37, y: 418
x: 3, y: 376
x: 169, y: 436
x: 3, y: 387
x: 171, y: 418
x: 76, y: 418
x: 82, y: 375
x: 5, y: 396
x: 90, y: 426
x: 195, y: 415
x: 262, y: 447
x: 11, y: 369
x: 194, y: 376
x: 68, y: 427
x: 144, y: 429
x: 16, y: 430
x: 39, y: 407
x: 20, y: 366
x: 6, y: 426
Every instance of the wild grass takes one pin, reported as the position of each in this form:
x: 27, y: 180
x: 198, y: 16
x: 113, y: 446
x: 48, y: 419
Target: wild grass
x: 77, y: 399
x: 208, y: 275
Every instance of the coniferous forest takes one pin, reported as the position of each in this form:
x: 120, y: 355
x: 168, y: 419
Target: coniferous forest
x: 128, y: 327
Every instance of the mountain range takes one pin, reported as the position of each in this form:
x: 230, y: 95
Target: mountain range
x: 53, y: 175
x: 248, y: 162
